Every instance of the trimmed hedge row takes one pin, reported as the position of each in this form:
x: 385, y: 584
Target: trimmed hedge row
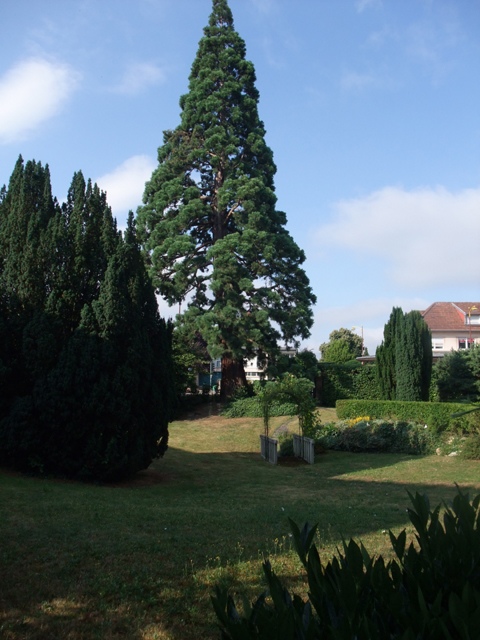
x: 435, y: 414
x: 344, y: 382
x: 252, y: 408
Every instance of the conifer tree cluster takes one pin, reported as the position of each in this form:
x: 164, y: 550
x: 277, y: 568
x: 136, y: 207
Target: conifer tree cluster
x: 86, y: 388
x: 211, y: 231
x: 404, y: 359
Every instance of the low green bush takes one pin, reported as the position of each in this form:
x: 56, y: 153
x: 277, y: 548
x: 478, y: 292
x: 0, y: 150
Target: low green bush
x: 437, y: 415
x: 377, y: 436
x: 253, y: 408
x: 286, y: 446
x: 471, y: 448
x: 431, y: 590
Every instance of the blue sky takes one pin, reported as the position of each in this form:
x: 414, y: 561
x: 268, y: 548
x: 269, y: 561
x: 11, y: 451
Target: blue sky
x: 371, y: 109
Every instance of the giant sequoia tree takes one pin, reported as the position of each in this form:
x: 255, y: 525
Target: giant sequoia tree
x: 86, y: 384
x: 212, y: 233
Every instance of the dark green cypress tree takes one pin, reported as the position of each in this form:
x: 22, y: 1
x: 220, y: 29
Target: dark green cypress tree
x: 86, y: 375
x: 212, y: 233
x: 26, y: 210
x: 426, y: 354
x: 413, y: 358
x: 86, y: 236
x: 25, y: 242
x: 385, y: 357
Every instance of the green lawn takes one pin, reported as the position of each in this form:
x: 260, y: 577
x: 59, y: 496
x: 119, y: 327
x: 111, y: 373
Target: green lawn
x: 139, y: 560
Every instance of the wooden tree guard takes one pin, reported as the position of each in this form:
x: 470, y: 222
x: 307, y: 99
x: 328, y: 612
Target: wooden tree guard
x: 303, y: 447
x: 268, y: 449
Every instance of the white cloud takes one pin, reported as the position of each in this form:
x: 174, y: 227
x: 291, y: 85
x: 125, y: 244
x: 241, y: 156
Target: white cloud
x: 361, y: 5
x: 357, y: 81
x: 138, y: 77
x: 264, y: 6
x: 125, y: 184
x: 32, y: 92
x: 427, y: 237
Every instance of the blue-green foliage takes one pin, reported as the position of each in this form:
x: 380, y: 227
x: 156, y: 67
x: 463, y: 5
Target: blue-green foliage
x: 429, y: 591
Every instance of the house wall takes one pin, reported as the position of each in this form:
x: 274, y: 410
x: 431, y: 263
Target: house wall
x: 450, y: 340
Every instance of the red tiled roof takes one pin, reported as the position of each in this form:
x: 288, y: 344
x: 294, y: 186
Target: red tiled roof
x: 450, y: 316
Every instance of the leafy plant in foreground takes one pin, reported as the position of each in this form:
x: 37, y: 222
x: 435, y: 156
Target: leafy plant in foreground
x: 430, y: 591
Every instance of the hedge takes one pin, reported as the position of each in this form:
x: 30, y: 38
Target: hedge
x: 252, y: 408
x: 435, y: 414
x: 345, y: 382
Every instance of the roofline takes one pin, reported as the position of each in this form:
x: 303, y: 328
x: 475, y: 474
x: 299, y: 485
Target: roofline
x: 458, y: 308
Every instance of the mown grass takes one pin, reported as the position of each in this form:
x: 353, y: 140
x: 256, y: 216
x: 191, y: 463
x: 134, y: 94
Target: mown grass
x: 140, y: 559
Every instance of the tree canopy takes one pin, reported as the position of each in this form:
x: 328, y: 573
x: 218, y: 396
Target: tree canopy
x: 212, y: 235
x: 353, y: 341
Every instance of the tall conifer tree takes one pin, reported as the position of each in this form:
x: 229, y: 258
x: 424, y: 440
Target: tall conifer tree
x: 385, y: 357
x: 403, y: 362
x: 413, y: 358
x: 209, y: 224
x: 86, y: 386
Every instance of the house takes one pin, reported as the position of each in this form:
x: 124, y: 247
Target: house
x: 253, y: 370
x: 454, y: 325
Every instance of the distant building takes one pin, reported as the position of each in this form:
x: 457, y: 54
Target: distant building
x: 253, y: 370
x: 454, y: 325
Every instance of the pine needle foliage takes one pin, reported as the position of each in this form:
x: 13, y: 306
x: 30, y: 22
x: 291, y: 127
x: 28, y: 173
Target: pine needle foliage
x: 209, y: 224
x: 86, y: 388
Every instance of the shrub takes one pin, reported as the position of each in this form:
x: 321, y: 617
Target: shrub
x: 377, y: 436
x: 252, y: 408
x: 431, y: 590
x: 471, y: 448
x: 286, y: 446
x: 347, y: 382
x: 437, y: 415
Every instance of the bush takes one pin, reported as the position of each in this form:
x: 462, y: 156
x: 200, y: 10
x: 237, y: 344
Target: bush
x: 437, y: 415
x: 377, y: 436
x: 471, y: 448
x: 253, y: 408
x: 286, y: 446
x: 348, y: 381
x: 430, y: 591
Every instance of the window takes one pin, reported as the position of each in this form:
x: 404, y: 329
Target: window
x: 465, y: 343
x: 437, y: 343
x: 472, y: 319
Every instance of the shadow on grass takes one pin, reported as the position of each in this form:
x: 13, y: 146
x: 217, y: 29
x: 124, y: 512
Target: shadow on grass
x: 140, y: 559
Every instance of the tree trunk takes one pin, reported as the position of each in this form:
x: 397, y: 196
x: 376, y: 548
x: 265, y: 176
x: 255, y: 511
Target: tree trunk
x: 233, y: 376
